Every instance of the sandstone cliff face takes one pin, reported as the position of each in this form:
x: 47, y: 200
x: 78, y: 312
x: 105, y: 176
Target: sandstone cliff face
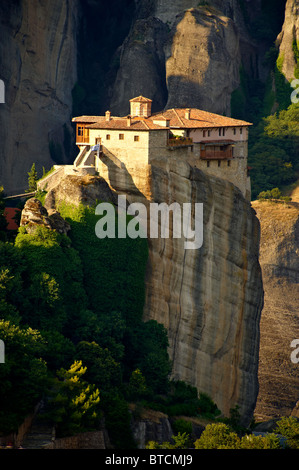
x: 279, y: 258
x: 180, y: 57
x: 209, y: 299
x: 39, y: 69
x: 289, y: 37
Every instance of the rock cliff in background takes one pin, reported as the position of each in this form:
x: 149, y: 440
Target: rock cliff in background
x: 39, y: 68
x: 288, y: 40
x: 209, y: 299
x: 279, y: 258
x: 178, y: 53
x: 180, y: 57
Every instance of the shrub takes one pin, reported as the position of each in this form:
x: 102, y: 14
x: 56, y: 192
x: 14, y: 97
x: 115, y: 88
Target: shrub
x: 218, y: 436
x: 289, y: 428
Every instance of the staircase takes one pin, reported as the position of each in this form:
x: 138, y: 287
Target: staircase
x: 41, y: 433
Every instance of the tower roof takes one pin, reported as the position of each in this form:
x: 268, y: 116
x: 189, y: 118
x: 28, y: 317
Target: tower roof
x: 140, y: 99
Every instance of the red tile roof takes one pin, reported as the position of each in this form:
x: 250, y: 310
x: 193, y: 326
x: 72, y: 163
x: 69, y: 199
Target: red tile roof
x: 9, y: 213
x: 176, y: 116
x: 198, y: 119
x: 138, y: 124
x: 140, y: 99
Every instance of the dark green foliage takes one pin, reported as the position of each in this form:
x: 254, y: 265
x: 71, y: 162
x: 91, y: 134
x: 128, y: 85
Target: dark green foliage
x: 82, y: 299
x: 146, y: 349
x: 23, y: 376
x: 122, y: 275
x: 273, y: 151
x: 183, y: 399
x: 53, y: 281
x: 117, y: 420
x: 102, y: 369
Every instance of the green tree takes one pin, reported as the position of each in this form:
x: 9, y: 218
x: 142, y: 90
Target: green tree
x: 218, y: 436
x: 32, y: 179
x: 289, y: 428
x: 137, y: 385
x: 180, y: 441
x: 102, y: 368
x: 250, y: 441
x: 23, y: 376
x: 75, y: 405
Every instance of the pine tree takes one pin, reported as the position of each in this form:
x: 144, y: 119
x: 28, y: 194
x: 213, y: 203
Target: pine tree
x: 32, y: 180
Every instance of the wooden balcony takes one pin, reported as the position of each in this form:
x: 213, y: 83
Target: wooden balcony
x: 211, y: 154
x: 81, y: 139
x: 82, y: 134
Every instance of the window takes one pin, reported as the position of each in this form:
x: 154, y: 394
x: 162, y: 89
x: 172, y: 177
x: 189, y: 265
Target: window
x: 219, y: 132
x: 235, y: 131
x: 208, y: 164
x: 108, y: 137
x: 80, y: 130
x: 241, y: 130
x: 228, y: 162
x: 136, y: 138
x: 219, y: 162
x: 203, y: 133
x: 121, y: 136
x: 209, y: 133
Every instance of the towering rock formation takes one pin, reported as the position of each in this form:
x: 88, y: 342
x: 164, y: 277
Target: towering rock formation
x: 279, y: 258
x: 182, y: 54
x: 38, y: 66
x: 288, y: 40
x: 209, y: 299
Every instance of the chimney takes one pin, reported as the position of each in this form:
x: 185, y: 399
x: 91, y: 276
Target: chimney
x: 108, y: 115
x: 187, y: 113
x: 128, y: 121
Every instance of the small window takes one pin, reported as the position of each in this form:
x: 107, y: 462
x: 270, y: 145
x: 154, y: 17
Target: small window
x: 203, y: 133
x: 108, y: 137
x: 241, y: 130
x: 228, y: 162
x: 223, y: 132
x: 219, y: 162
x: 121, y: 136
x: 208, y: 164
x: 136, y: 138
x: 209, y: 133
x: 235, y: 131
x: 219, y: 132
x: 80, y: 130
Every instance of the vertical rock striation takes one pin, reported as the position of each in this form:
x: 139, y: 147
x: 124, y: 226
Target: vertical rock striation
x: 288, y: 40
x: 39, y: 68
x: 279, y: 259
x: 209, y: 299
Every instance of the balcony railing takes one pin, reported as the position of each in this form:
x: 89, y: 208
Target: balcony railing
x: 216, y: 154
x: 80, y: 139
x: 180, y: 141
